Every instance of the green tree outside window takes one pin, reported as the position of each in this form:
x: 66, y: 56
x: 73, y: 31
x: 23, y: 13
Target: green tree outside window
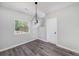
x: 21, y: 26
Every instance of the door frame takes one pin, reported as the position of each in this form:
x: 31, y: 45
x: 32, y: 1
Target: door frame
x: 56, y: 30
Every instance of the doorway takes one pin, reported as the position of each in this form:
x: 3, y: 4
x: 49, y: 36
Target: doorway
x: 51, y: 25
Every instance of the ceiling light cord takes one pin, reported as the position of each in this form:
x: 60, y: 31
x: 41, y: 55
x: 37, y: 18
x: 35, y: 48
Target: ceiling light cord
x: 36, y: 16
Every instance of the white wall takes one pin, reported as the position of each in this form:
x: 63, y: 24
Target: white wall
x: 68, y: 26
x: 42, y: 30
x: 7, y: 27
x: 42, y: 33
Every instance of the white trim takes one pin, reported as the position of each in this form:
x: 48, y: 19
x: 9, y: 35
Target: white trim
x: 44, y: 40
x: 67, y: 48
x: 16, y: 45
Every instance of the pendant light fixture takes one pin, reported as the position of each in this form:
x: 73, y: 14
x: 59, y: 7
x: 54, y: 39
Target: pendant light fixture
x: 36, y: 16
x: 35, y: 19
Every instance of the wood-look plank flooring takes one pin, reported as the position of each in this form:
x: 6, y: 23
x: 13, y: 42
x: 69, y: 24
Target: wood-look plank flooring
x: 35, y: 48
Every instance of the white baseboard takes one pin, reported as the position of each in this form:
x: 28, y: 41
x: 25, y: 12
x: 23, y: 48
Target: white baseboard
x: 15, y: 45
x: 44, y: 40
x: 67, y: 48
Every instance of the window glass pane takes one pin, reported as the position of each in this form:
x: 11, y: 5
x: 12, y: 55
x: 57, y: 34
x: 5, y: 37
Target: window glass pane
x: 21, y: 26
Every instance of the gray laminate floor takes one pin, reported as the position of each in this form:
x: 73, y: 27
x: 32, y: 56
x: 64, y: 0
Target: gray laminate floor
x: 35, y: 48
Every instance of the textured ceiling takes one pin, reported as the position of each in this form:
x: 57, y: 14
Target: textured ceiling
x: 29, y: 7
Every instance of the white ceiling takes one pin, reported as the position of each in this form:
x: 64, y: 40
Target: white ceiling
x: 19, y: 6
x: 52, y: 6
x: 29, y: 7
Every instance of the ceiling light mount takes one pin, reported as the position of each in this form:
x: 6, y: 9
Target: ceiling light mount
x: 35, y: 2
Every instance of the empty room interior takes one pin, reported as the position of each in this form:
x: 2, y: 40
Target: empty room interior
x: 39, y: 28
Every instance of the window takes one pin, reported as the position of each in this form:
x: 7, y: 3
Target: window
x: 21, y: 27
